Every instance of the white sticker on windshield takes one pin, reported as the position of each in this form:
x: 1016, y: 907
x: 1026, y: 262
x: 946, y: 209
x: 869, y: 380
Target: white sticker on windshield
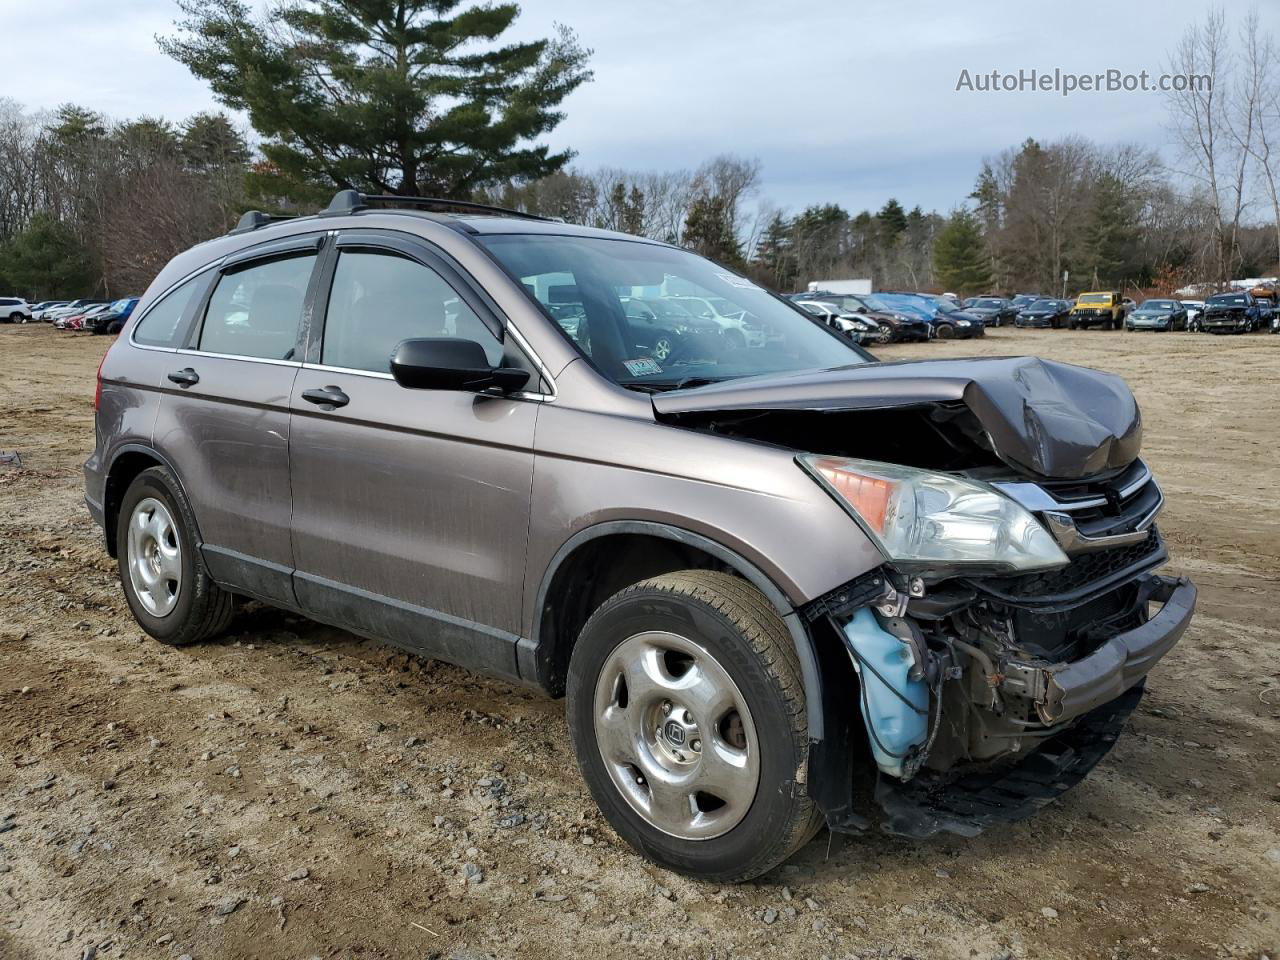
x: 642, y: 367
x: 733, y: 280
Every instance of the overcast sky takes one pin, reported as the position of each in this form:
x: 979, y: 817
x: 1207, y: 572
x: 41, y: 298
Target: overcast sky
x: 843, y: 101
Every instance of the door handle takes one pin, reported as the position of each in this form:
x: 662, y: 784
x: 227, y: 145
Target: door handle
x: 329, y: 397
x: 186, y: 377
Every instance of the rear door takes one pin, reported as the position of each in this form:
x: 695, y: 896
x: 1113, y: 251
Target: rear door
x: 410, y: 507
x: 224, y: 419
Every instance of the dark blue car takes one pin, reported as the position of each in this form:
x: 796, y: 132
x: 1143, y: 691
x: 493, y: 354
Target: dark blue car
x: 112, y: 319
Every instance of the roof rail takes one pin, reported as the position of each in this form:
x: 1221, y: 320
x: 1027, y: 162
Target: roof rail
x: 350, y: 201
x: 253, y: 219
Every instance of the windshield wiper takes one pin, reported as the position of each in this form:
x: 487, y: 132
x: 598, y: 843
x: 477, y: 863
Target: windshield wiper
x: 695, y: 382
x: 661, y: 387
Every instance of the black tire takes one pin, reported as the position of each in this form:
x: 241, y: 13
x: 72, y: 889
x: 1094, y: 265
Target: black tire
x: 946, y: 331
x: 203, y: 609
x: 741, y: 631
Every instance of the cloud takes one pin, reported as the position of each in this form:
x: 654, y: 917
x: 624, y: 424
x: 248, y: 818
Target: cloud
x: 847, y: 101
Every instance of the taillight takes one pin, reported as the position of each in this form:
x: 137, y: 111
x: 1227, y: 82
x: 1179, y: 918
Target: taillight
x: 97, y: 391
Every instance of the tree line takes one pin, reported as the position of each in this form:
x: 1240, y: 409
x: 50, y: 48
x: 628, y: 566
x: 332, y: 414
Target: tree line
x: 424, y: 97
x: 91, y: 206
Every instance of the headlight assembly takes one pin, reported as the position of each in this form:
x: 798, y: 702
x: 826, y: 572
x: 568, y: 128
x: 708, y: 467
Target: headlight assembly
x: 923, y: 521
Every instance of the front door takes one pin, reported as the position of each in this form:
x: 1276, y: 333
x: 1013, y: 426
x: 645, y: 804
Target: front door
x: 410, y: 507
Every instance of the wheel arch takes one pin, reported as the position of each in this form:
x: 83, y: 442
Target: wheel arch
x: 126, y: 463
x: 637, y: 549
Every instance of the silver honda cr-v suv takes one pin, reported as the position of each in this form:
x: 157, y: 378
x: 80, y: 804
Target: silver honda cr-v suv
x: 774, y: 578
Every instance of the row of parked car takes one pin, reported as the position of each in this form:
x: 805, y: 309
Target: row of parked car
x: 893, y: 317
x: 96, y: 316
x: 1233, y: 312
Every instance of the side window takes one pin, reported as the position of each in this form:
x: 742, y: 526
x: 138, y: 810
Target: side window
x: 255, y: 311
x: 379, y: 299
x: 160, y: 326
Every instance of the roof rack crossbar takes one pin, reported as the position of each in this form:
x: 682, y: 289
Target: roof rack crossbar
x: 349, y: 201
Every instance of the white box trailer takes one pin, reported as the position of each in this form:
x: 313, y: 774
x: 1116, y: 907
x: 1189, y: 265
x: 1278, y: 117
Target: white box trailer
x: 841, y: 286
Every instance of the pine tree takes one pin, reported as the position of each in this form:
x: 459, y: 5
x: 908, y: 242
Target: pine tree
x: 391, y: 96
x: 47, y: 260
x: 775, y: 254
x: 1110, y: 237
x: 709, y: 231
x: 208, y: 140
x: 892, y: 220
x: 960, y: 255
x: 633, y: 212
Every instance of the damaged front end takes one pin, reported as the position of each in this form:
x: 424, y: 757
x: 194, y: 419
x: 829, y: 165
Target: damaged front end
x: 986, y: 698
x: 1008, y: 634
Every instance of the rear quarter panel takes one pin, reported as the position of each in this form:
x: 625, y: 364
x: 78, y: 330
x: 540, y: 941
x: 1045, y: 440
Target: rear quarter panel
x: 127, y: 408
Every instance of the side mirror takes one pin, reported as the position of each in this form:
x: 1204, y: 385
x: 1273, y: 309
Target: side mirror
x: 451, y: 363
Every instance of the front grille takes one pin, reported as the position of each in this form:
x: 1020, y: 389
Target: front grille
x: 1117, y: 504
x: 1088, y: 574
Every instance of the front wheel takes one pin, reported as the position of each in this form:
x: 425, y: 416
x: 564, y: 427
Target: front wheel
x: 687, y: 715
x: 884, y: 334
x: 165, y: 582
x: 945, y: 331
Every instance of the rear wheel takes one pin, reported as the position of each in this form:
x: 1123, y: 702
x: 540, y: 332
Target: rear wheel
x: 165, y: 581
x: 687, y: 715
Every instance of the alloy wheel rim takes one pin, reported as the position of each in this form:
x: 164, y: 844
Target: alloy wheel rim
x: 676, y: 736
x: 154, y: 557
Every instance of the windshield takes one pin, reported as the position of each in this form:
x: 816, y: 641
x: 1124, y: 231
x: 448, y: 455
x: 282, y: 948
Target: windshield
x: 900, y: 303
x: 875, y: 303
x: 1233, y: 299
x: 584, y: 283
x: 1044, y: 305
x: 1156, y: 306
x: 1095, y: 298
x: 989, y: 304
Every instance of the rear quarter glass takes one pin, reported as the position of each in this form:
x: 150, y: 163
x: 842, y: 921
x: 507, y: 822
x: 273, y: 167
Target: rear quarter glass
x: 159, y: 327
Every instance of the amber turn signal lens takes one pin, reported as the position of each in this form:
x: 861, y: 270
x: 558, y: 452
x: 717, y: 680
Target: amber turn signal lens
x: 869, y: 495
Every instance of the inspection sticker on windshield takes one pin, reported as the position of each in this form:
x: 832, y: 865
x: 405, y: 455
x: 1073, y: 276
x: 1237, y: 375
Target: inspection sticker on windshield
x: 733, y: 280
x: 643, y: 367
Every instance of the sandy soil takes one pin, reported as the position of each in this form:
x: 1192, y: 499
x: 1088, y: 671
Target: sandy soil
x: 291, y: 791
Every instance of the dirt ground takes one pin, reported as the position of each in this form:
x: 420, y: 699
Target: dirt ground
x: 291, y: 791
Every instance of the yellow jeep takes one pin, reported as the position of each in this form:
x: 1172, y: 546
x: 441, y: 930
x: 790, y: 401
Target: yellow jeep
x: 1103, y: 309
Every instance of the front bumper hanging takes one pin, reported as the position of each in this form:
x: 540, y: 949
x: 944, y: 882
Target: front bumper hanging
x: 1065, y: 691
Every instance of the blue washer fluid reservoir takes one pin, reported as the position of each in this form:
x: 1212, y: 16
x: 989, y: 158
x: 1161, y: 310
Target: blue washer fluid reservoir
x: 895, y: 725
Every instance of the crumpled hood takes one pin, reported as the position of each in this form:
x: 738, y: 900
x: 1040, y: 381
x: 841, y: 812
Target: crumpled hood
x: 1054, y: 420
